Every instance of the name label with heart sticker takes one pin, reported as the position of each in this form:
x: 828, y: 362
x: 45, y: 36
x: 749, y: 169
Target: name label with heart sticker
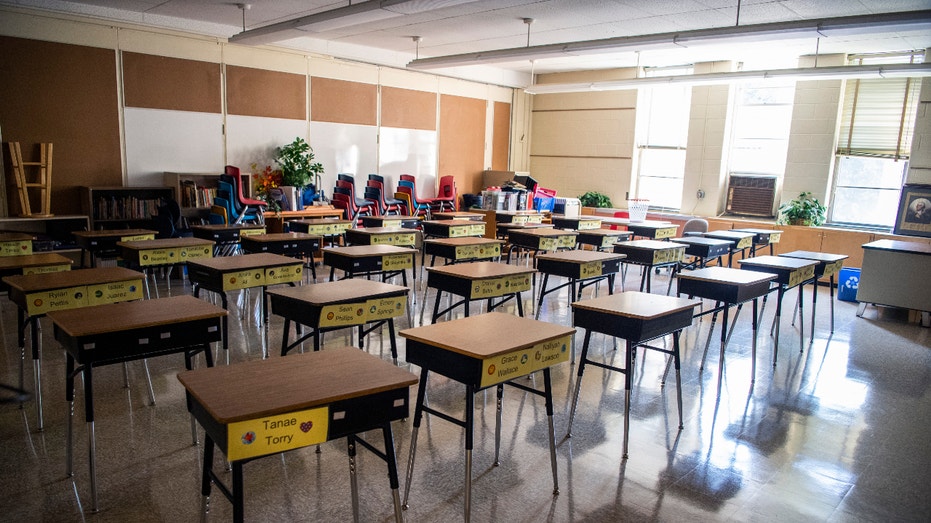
x: 272, y: 434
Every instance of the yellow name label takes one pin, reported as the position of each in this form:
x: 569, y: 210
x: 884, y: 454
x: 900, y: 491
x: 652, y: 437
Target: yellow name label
x: 251, y: 232
x: 396, y: 262
x: 668, y: 232
x: 391, y: 223
x: 343, y: 315
x: 137, y: 237
x: 324, y: 228
x: 608, y: 241
x: 519, y: 363
x: 745, y: 242
x: 478, y: 229
x: 158, y: 257
x: 273, y: 434
x: 243, y: 279
x: 588, y: 225
x: 548, y: 244
x: 193, y: 253
x: 566, y: 242
x: 393, y: 239
x: 459, y: 231
x: 60, y: 299
x: 590, y: 269
x: 114, y: 292
x: 801, y: 275
x: 385, y: 308
x: 831, y: 269
x: 286, y: 274
x: 668, y: 255
x: 466, y: 252
x: 775, y: 237
x: 496, y: 287
x: 16, y: 248
x: 46, y: 269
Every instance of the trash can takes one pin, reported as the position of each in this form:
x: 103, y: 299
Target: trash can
x: 847, y: 284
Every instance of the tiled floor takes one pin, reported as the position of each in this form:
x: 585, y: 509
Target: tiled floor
x: 838, y: 432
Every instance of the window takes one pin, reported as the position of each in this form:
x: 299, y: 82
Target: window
x: 760, y: 132
x: 663, y: 126
x: 873, y: 144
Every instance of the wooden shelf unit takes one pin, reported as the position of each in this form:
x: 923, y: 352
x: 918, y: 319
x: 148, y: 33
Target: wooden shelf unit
x: 122, y: 207
x: 195, y: 191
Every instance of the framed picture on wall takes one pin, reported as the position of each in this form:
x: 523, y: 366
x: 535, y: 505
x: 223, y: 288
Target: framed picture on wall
x: 914, y: 217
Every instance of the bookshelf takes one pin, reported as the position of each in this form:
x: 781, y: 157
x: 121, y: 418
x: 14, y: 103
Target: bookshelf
x: 122, y: 207
x: 195, y: 191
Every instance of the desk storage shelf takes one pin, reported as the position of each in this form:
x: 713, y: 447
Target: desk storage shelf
x: 122, y: 207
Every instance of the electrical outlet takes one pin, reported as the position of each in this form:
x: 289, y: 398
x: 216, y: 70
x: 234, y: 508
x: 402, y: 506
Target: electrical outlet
x: 700, y: 194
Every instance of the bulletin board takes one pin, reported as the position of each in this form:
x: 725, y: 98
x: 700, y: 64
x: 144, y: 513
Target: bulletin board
x: 408, y: 109
x: 160, y: 82
x: 340, y: 101
x: 501, y: 137
x: 273, y: 94
x: 462, y: 141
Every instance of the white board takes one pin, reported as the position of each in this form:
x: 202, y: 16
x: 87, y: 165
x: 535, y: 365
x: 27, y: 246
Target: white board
x: 408, y: 151
x: 253, y: 139
x: 174, y: 141
x: 344, y: 148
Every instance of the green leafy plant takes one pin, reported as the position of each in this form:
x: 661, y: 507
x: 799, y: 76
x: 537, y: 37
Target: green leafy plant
x: 804, y: 210
x: 297, y: 163
x: 595, y: 199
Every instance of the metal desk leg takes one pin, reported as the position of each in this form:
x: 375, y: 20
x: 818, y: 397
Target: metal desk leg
x: 675, y: 356
x: 776, y: 321
x: 831, y: 287
x: 548, y: 394
x: 469, y: 427
x: 499, y: 400
x: 418, y: 417
x: 353, y: 481
x: 91, y: 437
x: 753, y: 343
x: 723, y: 344
x: 578, y: 381
x: 628, y: 381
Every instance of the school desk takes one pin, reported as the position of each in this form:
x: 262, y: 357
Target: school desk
x: 741, y: 241
x: 894, y: 274
x: 407, y: 222
x: 452, y: 228
x: 602, y: 238
x: 580, y: 268
x: 518, y: 217
x: 651, y: 254
x: 457, y: 250
x: 828, y: 266
x: 396, y: 236
x: 292, y: 244
x: 329, y: 228
x: 167, y: 252
x: 704, y: 250
x: 653, y: 231
x: 483, y: 280
x: 457, y: 215
x: 102, y: 244
x: 226, y: 236
x: 366, y: 260
x: 762, y: 238
x: 540, y: 240
x: 15, y: 244
x: 578, y: 223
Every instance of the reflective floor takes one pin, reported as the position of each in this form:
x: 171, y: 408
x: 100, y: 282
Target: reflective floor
x: 837, y: 432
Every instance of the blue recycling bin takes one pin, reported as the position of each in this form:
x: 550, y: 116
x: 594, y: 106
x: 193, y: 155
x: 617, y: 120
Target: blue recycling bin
x: 847, y: 284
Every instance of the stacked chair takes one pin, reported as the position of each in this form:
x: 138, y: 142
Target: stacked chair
x: 375, y: 192
x: 418, y: 206
x: 229, y: 195
x: 446, y: 195
x: 344, y: 197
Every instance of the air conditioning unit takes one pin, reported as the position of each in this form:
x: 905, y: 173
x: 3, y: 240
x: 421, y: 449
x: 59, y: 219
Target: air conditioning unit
x: 751, y: 195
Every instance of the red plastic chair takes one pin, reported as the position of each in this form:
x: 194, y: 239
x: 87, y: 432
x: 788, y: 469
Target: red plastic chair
x: 620, y: 214
x: 446, y: 195
x: 375, y: 192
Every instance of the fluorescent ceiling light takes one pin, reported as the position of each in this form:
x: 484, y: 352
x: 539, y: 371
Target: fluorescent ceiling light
x: 805, y: 74
x: 827, y: 27
x: 342, y: 17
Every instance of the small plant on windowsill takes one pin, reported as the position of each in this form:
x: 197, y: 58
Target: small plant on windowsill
x: 595, y: 199
x: 804, y: 210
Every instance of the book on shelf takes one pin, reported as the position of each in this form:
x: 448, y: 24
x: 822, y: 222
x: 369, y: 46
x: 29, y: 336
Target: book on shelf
x: 125, y: 208
x: 193, y: 195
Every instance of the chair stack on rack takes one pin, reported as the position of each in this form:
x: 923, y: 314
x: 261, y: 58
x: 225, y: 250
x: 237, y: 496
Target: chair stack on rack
x: 446, y: 195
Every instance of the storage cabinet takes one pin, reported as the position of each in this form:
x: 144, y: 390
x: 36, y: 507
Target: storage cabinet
x: 195, y: 191
x: 123, y: 207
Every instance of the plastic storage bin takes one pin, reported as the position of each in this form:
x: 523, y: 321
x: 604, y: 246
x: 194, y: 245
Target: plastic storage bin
x: 847, y: 284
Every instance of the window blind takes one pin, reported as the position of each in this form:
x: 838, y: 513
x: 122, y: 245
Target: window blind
x: 878, y: 117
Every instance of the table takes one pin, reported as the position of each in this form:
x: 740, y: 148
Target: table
x: 382, y: 236
x: 653, y: 231
x: 483, y: 280
x: 15, y: 244
x: 275, y: 220
x: 226, y: 236
x: 468, y: 248
x: 742, y: 241
x: 790, y: 272
x: 578, y: 223
x: 473, y: 352
x: 326, y: 227
x: 338, y: 305
x: 453, y: 228
x: 365, y: 260
x: 229, y: 273
x: 145, y: 254
x: 581, y: 268
x: 602, y: 238
x: 102, y: 244
x: 728, y: 287
x: 762, y: 238
x: 637, y: 318
x: 828, y: 266
x: 407, y: 222
x: 518, y: 217
x: 36, y: 294
x: 333, y: 394
x: 651, y: 254
x: 705, y: 248
x: 120, y: 332
x: 542, y: 239
x: 292, y: 244
x: 457, y: 215
x: 893, y: 274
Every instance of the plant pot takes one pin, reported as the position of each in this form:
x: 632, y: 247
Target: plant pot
x: 799, y: 221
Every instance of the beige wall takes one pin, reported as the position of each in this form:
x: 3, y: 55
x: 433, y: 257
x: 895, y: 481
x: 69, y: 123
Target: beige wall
x: 919, y: 166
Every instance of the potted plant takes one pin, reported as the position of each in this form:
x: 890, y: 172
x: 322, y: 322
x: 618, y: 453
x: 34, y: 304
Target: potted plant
x: 804, y: 210
x: 595, y: 199
x: 298, y: 169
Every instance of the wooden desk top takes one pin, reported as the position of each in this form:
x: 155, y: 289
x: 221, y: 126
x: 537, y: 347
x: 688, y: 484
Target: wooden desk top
x: 472, y: 216
x: 363, y: 251
x: 281, y: 237
x: 321, y: 210
x: 578, y: 256
x: 130, y: 315
x: 759, y: 231
x: 639, y: 305
x: 727, y: 276
x: 450, y: 223
x: 777, y: 262
x: 114, y: 233
x: 342, y: 291
x: 605, y: 232
x: 652, y: 225
x: 14, y: 237
x: 464, y: 240
x: 244, y: 262
x: 899, y: 246
x: 728, y: 234
x: 580, y: 218
x: 165, y: 243
x: 291, y: 383
x: 227, y: 227
x: 626, y: 221
x: 654, y: 245
x: 487, y: 335
x: 701, y: 240
x: 65, y: 279
x: 381, y: 230
x: 518, y: 213
x: 545, y: 232
x: 524, y: 226
x: 481, y: 270
x: 33, y: 260
x: 320, y: 221
x: 822, y: 257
